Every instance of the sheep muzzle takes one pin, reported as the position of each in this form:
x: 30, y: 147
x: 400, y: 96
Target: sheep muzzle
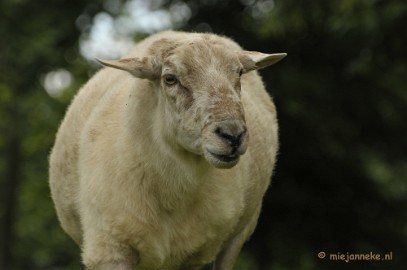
x: 224, y: 142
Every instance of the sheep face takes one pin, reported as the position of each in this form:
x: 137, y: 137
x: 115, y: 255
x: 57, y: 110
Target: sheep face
x: 200, y: 80
x: 201, y: 83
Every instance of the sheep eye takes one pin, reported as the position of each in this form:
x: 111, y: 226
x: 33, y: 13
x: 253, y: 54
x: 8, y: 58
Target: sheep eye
x: 170, y: 80
x: 240, y: 72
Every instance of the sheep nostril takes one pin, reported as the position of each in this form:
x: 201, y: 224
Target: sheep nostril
x: 234, y: 140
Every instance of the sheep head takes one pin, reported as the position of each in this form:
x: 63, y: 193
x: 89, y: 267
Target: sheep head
x: 200, y: 81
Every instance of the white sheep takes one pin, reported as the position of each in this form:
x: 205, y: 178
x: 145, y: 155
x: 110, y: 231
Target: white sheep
x: 156, y: 170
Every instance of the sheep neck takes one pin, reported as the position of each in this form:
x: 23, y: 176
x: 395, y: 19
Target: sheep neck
x: 180, y: 171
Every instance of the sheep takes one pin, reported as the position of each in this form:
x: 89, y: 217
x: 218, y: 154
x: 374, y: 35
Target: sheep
x: 153, y: 167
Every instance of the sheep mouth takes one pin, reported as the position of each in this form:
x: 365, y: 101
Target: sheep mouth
x: 220, y: 160
x: 225, y: 158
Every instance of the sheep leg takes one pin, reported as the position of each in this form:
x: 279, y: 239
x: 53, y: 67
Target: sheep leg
x: 70, y: 222
x: 99, y: 254
x: 228, y: 256
x: 113, y: 266
x: 102, y: 251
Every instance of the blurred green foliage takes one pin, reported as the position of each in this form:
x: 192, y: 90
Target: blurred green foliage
x: 341, y: 180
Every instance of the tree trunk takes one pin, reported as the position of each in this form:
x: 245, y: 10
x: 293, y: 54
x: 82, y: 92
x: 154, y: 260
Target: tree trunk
x: 9, y: 191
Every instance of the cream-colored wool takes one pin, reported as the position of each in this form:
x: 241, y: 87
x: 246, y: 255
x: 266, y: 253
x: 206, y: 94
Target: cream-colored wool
x: 162, y: 161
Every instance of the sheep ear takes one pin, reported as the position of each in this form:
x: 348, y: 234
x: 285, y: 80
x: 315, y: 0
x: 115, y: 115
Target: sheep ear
x: 256, y: 60
x: 145, y: 68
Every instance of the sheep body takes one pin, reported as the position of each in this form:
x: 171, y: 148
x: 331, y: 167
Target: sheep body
x: 128, y: 192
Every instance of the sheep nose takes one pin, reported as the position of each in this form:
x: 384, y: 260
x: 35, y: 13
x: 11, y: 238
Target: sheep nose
x: 232, y: 132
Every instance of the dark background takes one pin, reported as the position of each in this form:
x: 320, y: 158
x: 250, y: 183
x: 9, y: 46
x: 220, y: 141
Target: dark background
x: 340, y: 184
